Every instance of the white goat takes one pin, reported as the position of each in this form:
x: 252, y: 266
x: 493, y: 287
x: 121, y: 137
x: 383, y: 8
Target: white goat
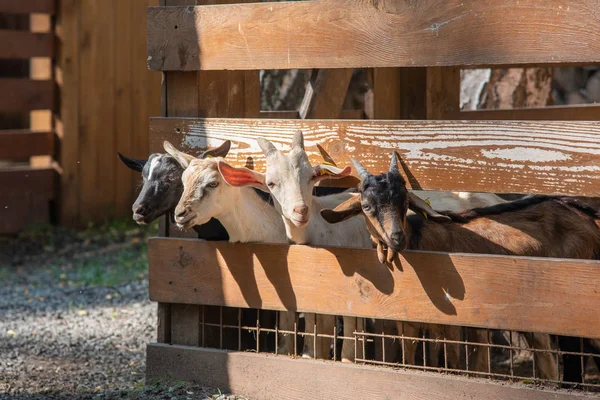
x: 291, y: 178
x: 241, y: 211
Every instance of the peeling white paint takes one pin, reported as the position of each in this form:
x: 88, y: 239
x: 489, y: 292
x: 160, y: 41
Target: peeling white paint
x: 526, y: 154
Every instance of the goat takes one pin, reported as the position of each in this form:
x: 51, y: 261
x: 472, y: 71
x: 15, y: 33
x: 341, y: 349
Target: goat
x: 245, y: 215
x: 532, y: 226
x: 291, y: 178
x: 162, y: 185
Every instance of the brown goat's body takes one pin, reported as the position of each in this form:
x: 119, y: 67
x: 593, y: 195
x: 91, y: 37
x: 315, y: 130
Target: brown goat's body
x: 545, y: 229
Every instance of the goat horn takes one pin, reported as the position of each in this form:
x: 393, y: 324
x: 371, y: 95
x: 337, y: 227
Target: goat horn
x: 298, y: 140
x: 266, y: 146
x: 394, y: 163
x: 362, y: 171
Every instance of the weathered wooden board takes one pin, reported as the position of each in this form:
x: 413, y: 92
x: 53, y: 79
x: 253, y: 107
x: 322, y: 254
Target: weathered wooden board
x: 261, y: 376
x: 581, y: 112
x: 479, y: 156
x: 26, y: 95
x: 21, y: 144
x: 19, y: 209
x: 28, y: 6
x: 497, y: 292
x: 350, y: 34
x: 24, y: 44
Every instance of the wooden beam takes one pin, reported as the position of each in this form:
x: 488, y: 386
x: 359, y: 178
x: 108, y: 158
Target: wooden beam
x: 25, y: 44
x: 443, y: 92
x: 20, y: 94
x: 20, y: 144
x: 69, y: 128
x: 325, y: 93
x: 261, y: 376
x: 582, y: 112
x: 348, y: 34
x: 488, y: 291
x: 27, y: 7
x: 479, y: 156
x: 40, y: 181
x: 344, y: 114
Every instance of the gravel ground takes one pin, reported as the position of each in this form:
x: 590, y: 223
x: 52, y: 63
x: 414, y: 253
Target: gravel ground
x: 74, y: 327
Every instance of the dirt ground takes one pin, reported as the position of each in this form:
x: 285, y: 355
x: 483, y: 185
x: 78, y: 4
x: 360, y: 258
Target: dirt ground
x: 75, y: 317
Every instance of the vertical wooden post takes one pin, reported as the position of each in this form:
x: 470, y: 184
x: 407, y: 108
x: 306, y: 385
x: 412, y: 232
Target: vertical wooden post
x: 443, y: 93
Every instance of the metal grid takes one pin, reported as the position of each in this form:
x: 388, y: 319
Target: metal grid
x: 514, y: 360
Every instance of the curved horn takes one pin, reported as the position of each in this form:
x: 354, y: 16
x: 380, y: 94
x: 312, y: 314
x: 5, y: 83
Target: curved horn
x: 394, y: 163
x: 298, y: 140
x: 362, y: 171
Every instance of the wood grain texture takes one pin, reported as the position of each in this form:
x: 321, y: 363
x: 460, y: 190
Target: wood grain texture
x: 496, y: 292
x: 261, y: 376
x: 97, y: 85
x: 349, y: 34
x: 443, y: 92
x: 24, y: 44
x: 163, y: 328
x: 19, y: 144
x: 478, y: 156
x: 20, y: 94
x: 28, y: 6
x: 20, y: 209
x: 123, y: 131
x: 325, y: 93
x: 185, y: 324
x: 582, y: 112
x: 69, y: 111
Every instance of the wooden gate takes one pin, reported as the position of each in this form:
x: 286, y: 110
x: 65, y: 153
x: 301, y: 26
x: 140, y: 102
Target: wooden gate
x: 210, y: 56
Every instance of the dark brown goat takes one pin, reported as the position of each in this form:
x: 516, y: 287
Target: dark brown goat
x: 544, y: 226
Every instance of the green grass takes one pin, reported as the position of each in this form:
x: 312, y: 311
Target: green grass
x: 112, y: 269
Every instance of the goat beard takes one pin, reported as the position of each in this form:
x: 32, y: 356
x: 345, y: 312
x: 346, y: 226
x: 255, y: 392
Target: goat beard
x: 385, y: 254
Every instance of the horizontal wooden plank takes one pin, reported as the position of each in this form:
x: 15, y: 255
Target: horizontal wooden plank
x: 581, y: 112
x: 345, y: 114
x: 26, y: 95
x: 25, y: 44
x: 478, y: 156
x: 20, y: 144
x: 262, y: 376
x: 23, y: 180
x: 354, y: 33
x: 18, y: 210
x: 27, y: 6
x: 497, y: 292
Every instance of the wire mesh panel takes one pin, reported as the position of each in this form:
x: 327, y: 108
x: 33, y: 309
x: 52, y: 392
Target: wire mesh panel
x: 529, y: 358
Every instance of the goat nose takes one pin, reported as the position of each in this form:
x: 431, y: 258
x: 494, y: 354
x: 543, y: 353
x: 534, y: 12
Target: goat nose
x: 180, y: 212
x: 397, y: 238
x: 139, y: 209
x: 302, y: 210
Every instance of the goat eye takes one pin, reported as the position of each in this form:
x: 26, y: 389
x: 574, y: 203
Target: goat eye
x: 270, y: 185
x: 213, y: 184
x: 366, y: 207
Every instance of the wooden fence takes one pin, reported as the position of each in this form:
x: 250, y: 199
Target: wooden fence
x: 28, y: 180
x: 204, y: 104
x: 107, y: 95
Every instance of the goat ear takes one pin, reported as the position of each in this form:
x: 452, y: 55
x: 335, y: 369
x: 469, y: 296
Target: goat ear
x: 298, y: 140
x: 326, y: 157
x: 419, y: 205
x: 325, y: 171
x: 132, y: 163
x: 266, y: 146
x: 342, y: 212
x: 242, y: 176
x: 182, y: 158
x: 220, y: 151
